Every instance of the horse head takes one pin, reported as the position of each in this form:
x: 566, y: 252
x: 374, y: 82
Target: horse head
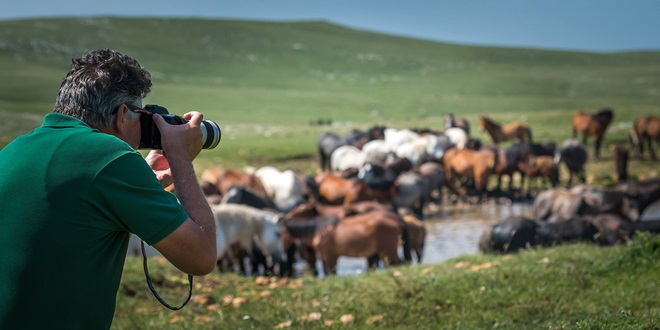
x: 376, y: 133
x: 604, y: 116
x: 483, y: 122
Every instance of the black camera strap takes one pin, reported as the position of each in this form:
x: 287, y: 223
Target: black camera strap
x: 151, y: 287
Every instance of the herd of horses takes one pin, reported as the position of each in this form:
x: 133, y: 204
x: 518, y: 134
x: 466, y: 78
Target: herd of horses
x: 605, y: 215
x: 370, y: 197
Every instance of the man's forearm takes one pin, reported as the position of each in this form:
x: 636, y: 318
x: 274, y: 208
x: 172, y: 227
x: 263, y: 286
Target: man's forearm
x: 192, y: 198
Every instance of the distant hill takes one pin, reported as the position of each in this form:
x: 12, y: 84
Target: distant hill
x: 297, y: 72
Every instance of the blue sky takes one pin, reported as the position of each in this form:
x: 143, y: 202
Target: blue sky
x: 591, y: 25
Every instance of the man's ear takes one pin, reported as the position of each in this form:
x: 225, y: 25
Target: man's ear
x: 121, y: 119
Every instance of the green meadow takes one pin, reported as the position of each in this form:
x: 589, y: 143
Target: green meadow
x: 276, y: 87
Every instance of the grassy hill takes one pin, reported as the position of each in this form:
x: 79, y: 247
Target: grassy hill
x: 268, y: 84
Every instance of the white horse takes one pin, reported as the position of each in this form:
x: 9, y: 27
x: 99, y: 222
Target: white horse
x: 346, y: 157
x: 375, y: 152
x: 396, y: 137
x: 245, y: 225
x: 427, y: 147
x: 282, y: 187
x: 457, y: 136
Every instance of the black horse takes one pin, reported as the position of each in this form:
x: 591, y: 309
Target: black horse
x: 517, y: 233
x: 242, y: 195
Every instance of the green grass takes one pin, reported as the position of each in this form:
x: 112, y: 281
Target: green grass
x: 579, y: 286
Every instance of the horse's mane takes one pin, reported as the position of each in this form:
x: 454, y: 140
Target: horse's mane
x: 490, y: 122
x: 604, y: 115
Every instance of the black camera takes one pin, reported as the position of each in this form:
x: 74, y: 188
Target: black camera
x: 150, y: 138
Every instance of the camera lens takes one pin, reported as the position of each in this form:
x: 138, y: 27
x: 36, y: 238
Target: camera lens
x: 211, y: 134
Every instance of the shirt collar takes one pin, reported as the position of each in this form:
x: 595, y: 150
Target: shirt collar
x: 59, y: 120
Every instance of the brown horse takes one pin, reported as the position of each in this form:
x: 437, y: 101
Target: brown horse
x: 374, y: 235
x: 541, y: 167
x: 303, y: 223
x: 592, y: 125
x: 470, y: 164
x: 646, y: 129
x: 336, y: 190
x: 217, y: 181
x: 501, y: 133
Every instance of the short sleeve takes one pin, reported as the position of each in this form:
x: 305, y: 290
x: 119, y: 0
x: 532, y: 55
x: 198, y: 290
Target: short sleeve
x: 128, y: 193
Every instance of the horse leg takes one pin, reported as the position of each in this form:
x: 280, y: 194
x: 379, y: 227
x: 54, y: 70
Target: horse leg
x: 651, y: 144
x: 581, y: 175
x: 329, y: 264
x: 405, y: 238
x: 286, y: 268
x: 242, y: 264
x: 522, y: 183
x: 499, y: 183
x: 597, y: 148
x: 450, y: 181
x: 222, y: 264
x: 640, y: 146
x: 418, y: 208
x: 391, y: 254
x: 481, y: 184
x: 258, y: 258
x: 309, y: 254
x: 322, y: 159
x: 509, y: 189
x: 372, y: 261
x: 420, y: 252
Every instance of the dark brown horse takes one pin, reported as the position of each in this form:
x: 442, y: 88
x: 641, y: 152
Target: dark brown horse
x: 646, y: 129
x: 502, y: 133
x: 541, y: 167
x: 592, y: 125
x: 374, y: 234
x: 509, y: 160
x: 416, y: 235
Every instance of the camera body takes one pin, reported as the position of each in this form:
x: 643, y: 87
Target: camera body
x: 151, y: 139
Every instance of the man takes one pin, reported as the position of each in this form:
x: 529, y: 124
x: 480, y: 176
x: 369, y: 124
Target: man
x: 74, y: 189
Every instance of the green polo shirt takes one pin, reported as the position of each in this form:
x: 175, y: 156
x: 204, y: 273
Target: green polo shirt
x: 70, y: 195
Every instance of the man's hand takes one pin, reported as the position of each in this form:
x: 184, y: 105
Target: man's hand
x: 183, y: 140
x: 161, y: 167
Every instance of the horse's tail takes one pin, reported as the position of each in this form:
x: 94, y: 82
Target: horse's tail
x: 405, y: 240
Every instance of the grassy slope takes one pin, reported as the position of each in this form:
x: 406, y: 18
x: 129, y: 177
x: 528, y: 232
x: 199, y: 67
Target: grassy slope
x: 266, y: 82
